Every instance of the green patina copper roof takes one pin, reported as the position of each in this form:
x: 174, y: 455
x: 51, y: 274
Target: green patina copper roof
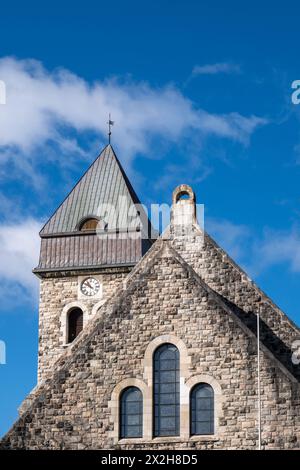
x: 105, y: 182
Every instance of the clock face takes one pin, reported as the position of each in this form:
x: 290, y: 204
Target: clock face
x: 90, y: 286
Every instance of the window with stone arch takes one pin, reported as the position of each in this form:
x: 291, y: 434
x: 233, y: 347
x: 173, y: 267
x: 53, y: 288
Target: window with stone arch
x: 183, y: 192
x: 131, y: 413
x: 75, y: 323
x: 89, y: 225
x: 182, y: 195
x: 202, y: 410
x: 166, y: 395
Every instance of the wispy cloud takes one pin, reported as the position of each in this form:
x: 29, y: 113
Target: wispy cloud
x: 233, y: 237
x: 279, y: 247
x: 52, y: 116
x: 213, y: 69
x: 18, y: 256
x: 256, y: 252
x: 59, y: 107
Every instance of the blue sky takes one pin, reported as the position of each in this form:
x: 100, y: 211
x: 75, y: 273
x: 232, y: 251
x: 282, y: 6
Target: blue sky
x: 201, y: 94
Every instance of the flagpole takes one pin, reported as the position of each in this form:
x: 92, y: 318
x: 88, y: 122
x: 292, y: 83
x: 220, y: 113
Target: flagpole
x: 258, y: 383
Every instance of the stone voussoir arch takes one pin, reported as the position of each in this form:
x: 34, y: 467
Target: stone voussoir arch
x: 64, y: 318
x: 218, y: 397
x: 185, y: 370
x: 185, y: 359
x: 114, y: 406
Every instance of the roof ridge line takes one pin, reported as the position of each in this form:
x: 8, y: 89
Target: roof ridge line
x: 64, y: 358
x: 103, y: 182
x: 76, y: 184
x: 241, y: 271
x: 112, y: 303
x: 218, y: 298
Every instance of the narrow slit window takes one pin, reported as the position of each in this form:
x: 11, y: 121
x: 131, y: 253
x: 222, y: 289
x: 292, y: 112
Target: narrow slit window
x: 75, y: 323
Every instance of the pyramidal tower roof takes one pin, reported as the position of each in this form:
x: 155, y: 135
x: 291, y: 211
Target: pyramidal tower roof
x: 105, y: 182
x: 125, y: 233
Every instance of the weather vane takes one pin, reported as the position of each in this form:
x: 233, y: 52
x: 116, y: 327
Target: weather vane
x: 110, y: 123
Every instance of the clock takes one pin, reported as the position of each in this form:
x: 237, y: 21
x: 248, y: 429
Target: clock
x: 90, y: 286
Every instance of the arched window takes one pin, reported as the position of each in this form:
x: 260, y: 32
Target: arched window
x: 202, y: 409
x: 89, y: 225
x: 182, y: 195
x: 166, y: 391
x: 131, y: 413
x: 183, y: 192
x: 75, y: 323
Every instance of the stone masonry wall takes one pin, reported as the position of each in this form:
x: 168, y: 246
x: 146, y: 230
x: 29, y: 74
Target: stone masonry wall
x: 222, y: 274
x: 74, y: 410
x: 55, y: 296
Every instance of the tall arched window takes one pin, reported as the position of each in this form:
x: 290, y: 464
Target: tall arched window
x: 166, y: 391
x: 202, y: 409
x: 75, y: 323
x: 131, y: 413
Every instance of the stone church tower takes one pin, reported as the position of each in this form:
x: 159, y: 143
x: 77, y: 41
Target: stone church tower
x: 88, y: 247
x: 149, y: 343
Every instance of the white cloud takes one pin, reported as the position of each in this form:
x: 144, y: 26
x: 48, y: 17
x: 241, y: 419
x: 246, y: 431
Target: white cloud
x: 279, y: 247
x: 41, y: 105
x: 61, y: 108
x: 213, y: 69
x: 256, y: 252
x: 18, y: 256
x: 20, y: 250
x: 232, y: 237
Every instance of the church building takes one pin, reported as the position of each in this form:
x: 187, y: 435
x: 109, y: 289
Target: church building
x: 152, y: 342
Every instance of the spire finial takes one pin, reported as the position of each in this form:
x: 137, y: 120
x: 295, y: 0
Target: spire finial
x: 110, y: 123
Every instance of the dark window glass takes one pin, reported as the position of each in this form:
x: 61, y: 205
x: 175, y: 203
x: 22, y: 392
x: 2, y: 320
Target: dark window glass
x: 166, y: 391
x: 75, y: 324
x: 131, y: 413
x: 202, y: 409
